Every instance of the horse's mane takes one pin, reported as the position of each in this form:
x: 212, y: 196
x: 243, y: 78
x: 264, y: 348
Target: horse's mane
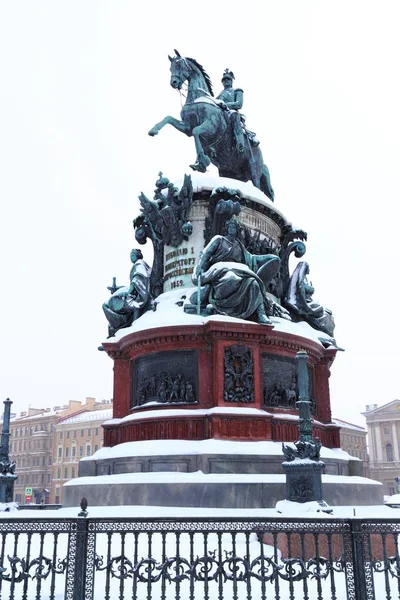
x: 204, y: 73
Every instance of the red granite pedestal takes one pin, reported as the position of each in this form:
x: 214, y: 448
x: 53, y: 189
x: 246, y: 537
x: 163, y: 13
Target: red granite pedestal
x: 207, y: 345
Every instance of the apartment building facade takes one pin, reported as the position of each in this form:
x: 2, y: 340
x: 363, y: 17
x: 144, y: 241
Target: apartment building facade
x: 32, y: 448
x: 76, y: 436
x: 353, y: 439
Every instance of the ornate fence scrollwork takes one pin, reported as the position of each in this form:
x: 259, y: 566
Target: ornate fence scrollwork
x: 221, y: 558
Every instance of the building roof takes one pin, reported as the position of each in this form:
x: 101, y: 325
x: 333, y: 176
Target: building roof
x: 386, y: 410
x: 41, y: 415
x: 347, y: 425
x: 89, y: 415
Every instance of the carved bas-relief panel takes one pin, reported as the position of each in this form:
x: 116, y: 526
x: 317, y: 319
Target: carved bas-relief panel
x: 279, y: 382
x: 165, y: 378
x: 239, y: 375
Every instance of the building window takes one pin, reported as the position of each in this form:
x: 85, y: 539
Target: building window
x: 87, y: 449
x: 389, y: 452
x: 67, y: 435
x: 96, y: 448
x: 73, y: 451
x: 49, y: 460
x: 96, y: 431
x: 66, y: 452
x: 49, y: 478
x: 80, y: 450
x: 61, y: 435
x: 58, y: 472
x: 66, y: 473
x: 89, y: 431
x: 75, y: 432
x: 386, y: 430
x: 82, y: 432
x: 43, y: 461
x: 59, y: 452
x: 72, y: 472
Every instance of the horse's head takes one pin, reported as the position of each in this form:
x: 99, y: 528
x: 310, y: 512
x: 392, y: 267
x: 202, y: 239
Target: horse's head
x: 180, y: 70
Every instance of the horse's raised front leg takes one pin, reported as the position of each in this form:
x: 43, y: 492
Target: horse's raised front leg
x: 203, y: 160
x: 179, y: 125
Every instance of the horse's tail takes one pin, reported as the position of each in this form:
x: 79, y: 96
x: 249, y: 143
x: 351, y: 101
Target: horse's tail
x: 265, y: 183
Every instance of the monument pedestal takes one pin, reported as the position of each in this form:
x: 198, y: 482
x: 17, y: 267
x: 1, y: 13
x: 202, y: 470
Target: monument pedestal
x: 245, y: 368
x: 208, y: 473
x: 7, y: 488
x: 188, y: 377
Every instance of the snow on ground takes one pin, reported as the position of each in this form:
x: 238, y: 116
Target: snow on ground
x: 391, y: 500
x: 160, y: 512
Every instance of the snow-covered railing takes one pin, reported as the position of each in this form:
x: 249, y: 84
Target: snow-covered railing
x: 198, y: 558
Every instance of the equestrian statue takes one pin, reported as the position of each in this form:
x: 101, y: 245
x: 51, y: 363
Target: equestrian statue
x: 219, y: 131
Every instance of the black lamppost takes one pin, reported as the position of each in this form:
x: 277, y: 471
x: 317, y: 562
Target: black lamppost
x: 302, y: 465
x: 7, y: 468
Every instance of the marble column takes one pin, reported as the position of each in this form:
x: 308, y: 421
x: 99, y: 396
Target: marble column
x: 379, y: 449
x: 395, y: 442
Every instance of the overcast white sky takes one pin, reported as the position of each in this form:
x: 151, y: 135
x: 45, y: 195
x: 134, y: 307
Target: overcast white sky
x: 81, y: 83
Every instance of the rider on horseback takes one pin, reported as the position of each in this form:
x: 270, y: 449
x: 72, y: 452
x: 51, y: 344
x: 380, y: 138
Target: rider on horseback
x: 232, y: 149
x: 232, y: 99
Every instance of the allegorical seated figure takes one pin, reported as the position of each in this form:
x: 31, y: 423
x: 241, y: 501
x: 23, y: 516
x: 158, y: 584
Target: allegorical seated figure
x: 232, y: 279
x: 128, y: 303
x: 299, y: 300
x: 233, y: 100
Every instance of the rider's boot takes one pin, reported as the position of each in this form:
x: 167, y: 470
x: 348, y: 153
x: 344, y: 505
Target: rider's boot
x: 238, y: 131
x: 201, y: 164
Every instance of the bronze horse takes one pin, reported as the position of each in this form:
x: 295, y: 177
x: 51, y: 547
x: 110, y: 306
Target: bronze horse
x: 209, y: 122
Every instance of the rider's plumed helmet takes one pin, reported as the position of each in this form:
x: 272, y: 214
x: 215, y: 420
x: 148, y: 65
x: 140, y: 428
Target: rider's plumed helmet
x: 228, y: 75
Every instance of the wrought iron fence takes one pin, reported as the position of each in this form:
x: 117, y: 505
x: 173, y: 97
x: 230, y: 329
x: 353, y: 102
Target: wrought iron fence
x: 195, y: 559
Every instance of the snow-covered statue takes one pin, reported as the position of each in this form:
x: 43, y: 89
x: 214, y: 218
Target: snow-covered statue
x: 218, y: 137
x: 300, y: 303
x: 128, y: 303
x: 231, y: 281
